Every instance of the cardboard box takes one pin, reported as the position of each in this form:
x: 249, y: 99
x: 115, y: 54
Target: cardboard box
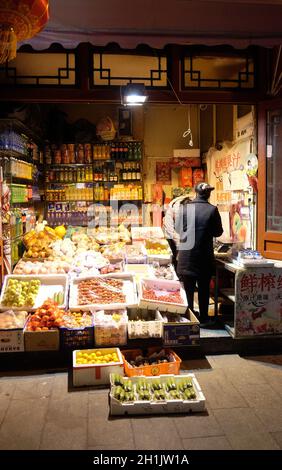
x: 48, y: 340
x: 159, y: 407
x: 96, y: 374
x: 153, y: 369
x: 144, y: 328
x: 11, y: 340
x: 78, y: 338
x: 110, y: 333
x: 182, y: 333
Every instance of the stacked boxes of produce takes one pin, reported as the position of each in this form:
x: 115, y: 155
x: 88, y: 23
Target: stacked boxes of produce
x: 154, y: 362
x: 94, y: 366
x: 100, y: 283
x: 46, y: 296
x: 153, y: 395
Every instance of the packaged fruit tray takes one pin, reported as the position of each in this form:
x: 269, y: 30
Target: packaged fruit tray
x: 156, y: 395
x: 141, y: 233
x: 33, y: 290
x: 112, y: 291
x: 94, y: 366
x: 157, y: 251
x: 163, y: 272
x: 138, y: 270
x: 163, y: 295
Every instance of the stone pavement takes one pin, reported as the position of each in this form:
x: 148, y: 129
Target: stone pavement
x: 243, y: 412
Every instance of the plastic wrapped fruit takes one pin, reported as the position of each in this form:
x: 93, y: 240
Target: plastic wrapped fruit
x: 10, y: 320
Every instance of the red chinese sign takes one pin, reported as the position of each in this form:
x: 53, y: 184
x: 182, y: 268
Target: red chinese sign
x: 258, y: 306
x: 228, y: 162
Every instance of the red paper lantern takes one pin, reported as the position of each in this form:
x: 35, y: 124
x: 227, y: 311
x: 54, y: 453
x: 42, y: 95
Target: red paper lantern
x: 20, y: 20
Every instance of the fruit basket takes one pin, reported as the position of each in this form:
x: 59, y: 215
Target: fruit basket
x: 163, y: 295
x: 154, y: 362
x: 155, y: 395
x: 108, y: 292
x: 33, y: 290
x: 94, y: 366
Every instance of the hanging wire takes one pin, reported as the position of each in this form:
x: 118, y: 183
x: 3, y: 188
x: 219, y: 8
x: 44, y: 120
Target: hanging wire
x: 188, y: 132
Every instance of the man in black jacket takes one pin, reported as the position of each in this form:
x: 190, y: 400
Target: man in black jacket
x: 197, y: 224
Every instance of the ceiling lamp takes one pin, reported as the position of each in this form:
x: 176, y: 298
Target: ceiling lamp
x: 134, y: 94
x: 20, y: 20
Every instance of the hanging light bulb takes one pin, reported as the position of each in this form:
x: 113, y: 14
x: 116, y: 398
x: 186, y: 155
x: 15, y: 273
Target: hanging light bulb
x: 134, y: 94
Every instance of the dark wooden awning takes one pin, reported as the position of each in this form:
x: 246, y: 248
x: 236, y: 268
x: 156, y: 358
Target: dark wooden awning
x: 159, y: 22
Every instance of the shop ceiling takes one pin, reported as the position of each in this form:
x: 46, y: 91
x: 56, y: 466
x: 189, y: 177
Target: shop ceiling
x: 156, y: 23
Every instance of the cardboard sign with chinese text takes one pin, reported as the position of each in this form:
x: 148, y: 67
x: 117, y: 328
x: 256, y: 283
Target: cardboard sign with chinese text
x: 258, y: 307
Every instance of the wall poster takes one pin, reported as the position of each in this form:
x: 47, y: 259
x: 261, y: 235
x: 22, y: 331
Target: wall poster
x: 163, y: 172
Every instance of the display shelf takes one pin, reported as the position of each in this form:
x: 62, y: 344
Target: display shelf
x: 18, y: 158
x: 7, y: 153
x: 19, y: 178
x: 71, y: 182
x: 102, y: 172
x: 69, y: 165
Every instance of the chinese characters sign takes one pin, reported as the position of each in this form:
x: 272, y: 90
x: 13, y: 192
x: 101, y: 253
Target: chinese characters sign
x: 258, y: 308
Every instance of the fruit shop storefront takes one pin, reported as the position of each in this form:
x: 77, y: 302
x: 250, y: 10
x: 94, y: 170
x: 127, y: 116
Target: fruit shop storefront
x: 218, y: 107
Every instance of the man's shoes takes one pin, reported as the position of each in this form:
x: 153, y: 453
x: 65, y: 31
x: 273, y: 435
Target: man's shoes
x: 210, y: 324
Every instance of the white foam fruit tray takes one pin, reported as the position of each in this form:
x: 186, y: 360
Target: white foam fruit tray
x: 50, y: 284
x: 159, y: 304
x: 129, y: 290
x: 159, y: 407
